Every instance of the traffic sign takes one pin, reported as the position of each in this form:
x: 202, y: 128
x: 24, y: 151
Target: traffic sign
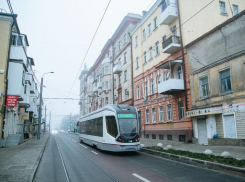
x: 11, y: 101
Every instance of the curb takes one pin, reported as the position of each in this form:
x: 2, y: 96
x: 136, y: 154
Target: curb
x: 197, y: 162
x: 34, y: 171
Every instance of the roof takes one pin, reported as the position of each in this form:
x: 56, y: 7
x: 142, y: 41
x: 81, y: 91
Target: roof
x: 215, y: 29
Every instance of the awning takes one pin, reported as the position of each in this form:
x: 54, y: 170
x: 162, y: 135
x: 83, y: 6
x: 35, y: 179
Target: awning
x: 168, y: 64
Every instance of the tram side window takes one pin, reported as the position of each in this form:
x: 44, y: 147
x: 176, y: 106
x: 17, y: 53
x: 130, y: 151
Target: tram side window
x: 92, y: 127
x: 111, y: 126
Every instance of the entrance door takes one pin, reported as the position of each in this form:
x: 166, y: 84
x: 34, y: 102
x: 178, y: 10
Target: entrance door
x: 229, y: 126
x: 139, y: 115
x: 202, y: 132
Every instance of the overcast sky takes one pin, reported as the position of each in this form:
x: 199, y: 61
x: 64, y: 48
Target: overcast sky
x: 59, y: 33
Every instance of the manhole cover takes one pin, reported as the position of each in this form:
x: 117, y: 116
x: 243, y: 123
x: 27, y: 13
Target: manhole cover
x: 17, y: 167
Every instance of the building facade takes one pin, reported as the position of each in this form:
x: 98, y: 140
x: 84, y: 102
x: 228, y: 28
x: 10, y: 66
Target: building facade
x: 20, y: 97
x: 160, y: 70
x: 217, y: 79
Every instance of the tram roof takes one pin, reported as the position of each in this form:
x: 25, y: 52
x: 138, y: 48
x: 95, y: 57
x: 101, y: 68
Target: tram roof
x: 113, y: 108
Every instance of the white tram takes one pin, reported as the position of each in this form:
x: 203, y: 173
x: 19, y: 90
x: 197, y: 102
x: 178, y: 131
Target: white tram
x: 112, y: 128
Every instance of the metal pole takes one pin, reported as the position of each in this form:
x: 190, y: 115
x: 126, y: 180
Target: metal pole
x: 40, y: 110
x: 45, y: 121
x: 49, y: 121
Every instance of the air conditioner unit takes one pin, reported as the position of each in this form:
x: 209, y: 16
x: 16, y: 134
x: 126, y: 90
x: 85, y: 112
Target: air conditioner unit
x: 145, y: 98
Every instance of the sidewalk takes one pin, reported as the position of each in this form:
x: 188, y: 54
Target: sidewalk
x: 236, y: 152
x: 19, y: 163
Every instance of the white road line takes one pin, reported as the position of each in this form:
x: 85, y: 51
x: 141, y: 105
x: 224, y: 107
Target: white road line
x: 83, y: 146
x: 140, y: 177
x: 94, y: 152
x: 74, y: 141
x: 67, y: 178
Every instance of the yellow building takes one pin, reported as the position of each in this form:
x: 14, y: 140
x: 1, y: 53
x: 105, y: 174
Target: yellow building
x: 6, y: 22
x: 161, y: 82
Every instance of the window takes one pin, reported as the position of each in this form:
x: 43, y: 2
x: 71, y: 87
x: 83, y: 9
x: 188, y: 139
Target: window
x: 164, y: 38
x: 126, y: 94
x: 160, y: 114
x: 159, y: 79
x: 119, y: 79
x: 181, y: 110
x: 146, y: 135
x: 111, y: 126
x: 103, y: 101
x: 154, y: 136
x: 136, y: 41
x: 156, y: 48
x: 155, y: 23
x: 137, y: 62
x: 125, y: 38
x: 145, y: 57
x: 138, y: 92
x: 106, y: 70
x: 143, y: 36
x: 152, y: 86
x: 119, y: 45
x: 146, y: 88
x: 125, y: 76
x: 125, y: 57
x: 153, y: 115
x: 106, y: 85
x: 167, y: 75
x: 149, y: 29
x: 169, y: 112
x: 222, y: 7
x: 181, y: 138
x: 169, y: 137
x: 150, y: 53
x: 225, y: 80
x: 147, y: 116
x: 14, y: 38
x: 204, y: 88
x: 235, y: 9
x: 161, y: 137
x: 173, y: 30
x: 180, y: 76
x: 106, y: 100
x: 115, y: 82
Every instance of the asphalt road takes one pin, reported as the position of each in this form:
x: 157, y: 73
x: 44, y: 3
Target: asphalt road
x: 66, y: 159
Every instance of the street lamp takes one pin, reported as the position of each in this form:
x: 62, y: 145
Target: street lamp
x: 40, y: 107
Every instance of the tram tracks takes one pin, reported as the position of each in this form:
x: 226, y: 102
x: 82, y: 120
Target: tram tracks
x: 71, y: 143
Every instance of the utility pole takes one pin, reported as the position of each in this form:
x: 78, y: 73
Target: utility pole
x: 45, y: 121
x: 40, y: 110
x: 49, y: 121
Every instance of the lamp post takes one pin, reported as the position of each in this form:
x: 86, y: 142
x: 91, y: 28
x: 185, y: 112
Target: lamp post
x: 40, y: 107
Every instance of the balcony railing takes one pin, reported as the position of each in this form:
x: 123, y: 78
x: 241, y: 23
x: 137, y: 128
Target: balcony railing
x: 171, y: 45
x: 117, y: 69
x: 95, y: 89
x: 99, y: 84
x: 171, y: 86
x: 169, y: 12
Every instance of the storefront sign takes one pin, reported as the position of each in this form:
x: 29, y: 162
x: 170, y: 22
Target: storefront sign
x: 25, y: 116
x: 11, y: 101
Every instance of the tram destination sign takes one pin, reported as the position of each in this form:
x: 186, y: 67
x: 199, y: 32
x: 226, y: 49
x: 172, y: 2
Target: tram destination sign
x: 126, y: 115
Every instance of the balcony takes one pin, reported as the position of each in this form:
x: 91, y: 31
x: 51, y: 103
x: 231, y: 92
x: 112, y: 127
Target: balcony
x: 117, y: 69
x: 17, y: 53
x: 99, y: 84
x: 25, y: 103
x: 106, y: 60
x: 171, y: 45
x: 32, y: 107
x: 28, y: 78
x: 95, y: 89
x: 171, y: 86
x: 169, y: 12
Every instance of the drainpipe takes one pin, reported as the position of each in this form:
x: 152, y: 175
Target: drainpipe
x: 132, y: 77
x: 112, y: 72
x: 6, y: 87
x: 183, y: 58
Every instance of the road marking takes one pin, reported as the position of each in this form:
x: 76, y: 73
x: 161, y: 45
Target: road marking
x: 83, y: 146
x: 67, y: 177
x: 94, y: 152
x: 74, y: 141
x: 140, y: 177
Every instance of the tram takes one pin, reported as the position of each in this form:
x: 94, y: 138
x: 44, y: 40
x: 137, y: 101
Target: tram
x: 111, y: 128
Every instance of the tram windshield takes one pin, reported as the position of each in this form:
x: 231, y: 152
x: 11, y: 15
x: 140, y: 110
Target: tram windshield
x: 128, y: 126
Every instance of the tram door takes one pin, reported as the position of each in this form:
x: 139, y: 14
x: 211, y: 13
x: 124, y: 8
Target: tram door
x: 139, y: 115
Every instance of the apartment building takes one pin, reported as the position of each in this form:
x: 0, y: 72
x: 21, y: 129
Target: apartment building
x: 160, y: 70
x: 109, y: 80
x: 20, y: 105
x: 217, y: 79
x: 83, y: 98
